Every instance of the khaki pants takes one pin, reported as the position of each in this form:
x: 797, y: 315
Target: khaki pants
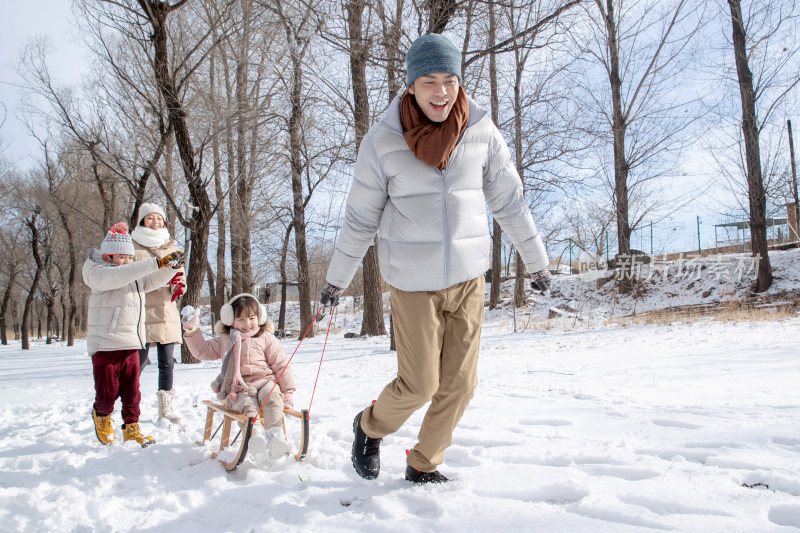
x: 437, y: 334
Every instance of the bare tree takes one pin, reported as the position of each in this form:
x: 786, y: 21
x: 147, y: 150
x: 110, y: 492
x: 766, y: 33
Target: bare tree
x: 217, y: 280
x: 250, y: 91
x: 525, y: 27
x: 640, y: 45
x: 494, y: 106
x: 392, y: 32
x: 175, y: 47
x: 300, y: 24
x: 752, y: 36
x: 10, y: 262
x: 542, y: 129
x: 30, y: 223
x: 60, y: 206
x: 440, y: 13
x: 755, y: 183
x: 49, y: 293
x: 372, y: 322
x: 793, y: 181
x: 89, y: 128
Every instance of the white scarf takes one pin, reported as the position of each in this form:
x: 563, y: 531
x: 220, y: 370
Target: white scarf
x: 150, y: 238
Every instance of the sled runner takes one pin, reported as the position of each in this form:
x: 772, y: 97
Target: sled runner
x: 229, y: 417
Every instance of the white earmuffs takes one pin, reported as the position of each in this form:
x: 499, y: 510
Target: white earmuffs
x: 226, y: 311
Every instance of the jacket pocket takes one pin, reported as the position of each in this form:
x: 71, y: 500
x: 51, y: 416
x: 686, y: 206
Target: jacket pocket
x: 114, y: 319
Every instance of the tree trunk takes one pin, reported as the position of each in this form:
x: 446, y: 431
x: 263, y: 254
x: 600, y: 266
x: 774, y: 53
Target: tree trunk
x: 71, y: 307
x: 103, y: 188
x: 520, y: 289
x: 64, y: 317
x: 212, y: 292
x: 297, y: 167
x: 372, y: 320
x: 392, y: 33
x: 156, y: 12
x: 755, y: 182
x: 51, y: 315
x: 441, y: 12
x: 244, y: 192
x: 12, y: 277
x: 218, y: 294
x: 139, y: 185
x: 26, y: 312
x: 233, y: 199
x: 240, y: 195
x: 392, y: 344
x: 284, y: 281
x: 169, y: 182
x: 794, y: 180
x: 621, y: 166
x: 17, y: 325
x: 247, y: 251
x: 497, y: 231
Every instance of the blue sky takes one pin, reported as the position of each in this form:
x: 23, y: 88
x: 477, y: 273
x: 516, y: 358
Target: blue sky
x: 23, y: 21
x: 68, y: 61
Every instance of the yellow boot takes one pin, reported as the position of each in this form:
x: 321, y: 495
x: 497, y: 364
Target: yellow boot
x: 131, y: 432
x: 103, y: 428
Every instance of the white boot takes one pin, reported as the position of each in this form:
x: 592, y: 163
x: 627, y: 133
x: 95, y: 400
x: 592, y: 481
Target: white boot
x: 276, y: 443
x: 257, y: 445
x: 165, y: 406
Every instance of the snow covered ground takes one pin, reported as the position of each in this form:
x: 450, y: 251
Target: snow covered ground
x: 581, y: 426
x: 709, y: 281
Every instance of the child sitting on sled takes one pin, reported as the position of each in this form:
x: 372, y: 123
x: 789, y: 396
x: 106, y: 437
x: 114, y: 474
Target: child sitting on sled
x: 116, y: 327
x: 253, y: 359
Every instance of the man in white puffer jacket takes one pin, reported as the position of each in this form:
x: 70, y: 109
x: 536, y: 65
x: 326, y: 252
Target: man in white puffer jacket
x: 423, y: 178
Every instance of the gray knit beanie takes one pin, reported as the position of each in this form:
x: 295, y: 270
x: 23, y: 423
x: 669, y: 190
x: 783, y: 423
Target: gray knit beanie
x: 432, y: 53
x: 146, y: 209
x: 118, y: 241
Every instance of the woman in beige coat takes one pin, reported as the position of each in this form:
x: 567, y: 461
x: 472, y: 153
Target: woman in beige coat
x: 152, y: 239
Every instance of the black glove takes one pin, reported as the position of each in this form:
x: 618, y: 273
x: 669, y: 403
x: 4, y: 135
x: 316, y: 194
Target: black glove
x: 540, y: 281
x: 330, y: 295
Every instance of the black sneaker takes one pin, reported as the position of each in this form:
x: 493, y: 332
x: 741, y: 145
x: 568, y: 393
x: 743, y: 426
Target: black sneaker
x: 415, y: 476
x: 366, y: 453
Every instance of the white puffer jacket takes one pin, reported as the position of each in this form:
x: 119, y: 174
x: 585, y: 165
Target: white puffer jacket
x: 116, y: 306
x: 433, y: 230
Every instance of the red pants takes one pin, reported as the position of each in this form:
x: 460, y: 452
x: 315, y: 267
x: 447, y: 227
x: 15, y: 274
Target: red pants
x: 116, y: 375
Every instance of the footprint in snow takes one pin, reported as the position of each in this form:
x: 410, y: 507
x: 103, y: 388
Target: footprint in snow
x: 676, y: 424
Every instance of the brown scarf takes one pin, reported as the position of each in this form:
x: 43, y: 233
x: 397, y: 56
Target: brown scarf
x: 433, y: 142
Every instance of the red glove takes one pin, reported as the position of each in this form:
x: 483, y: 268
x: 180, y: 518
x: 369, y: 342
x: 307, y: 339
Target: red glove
x: 177, y: 278
x: 177, y: 292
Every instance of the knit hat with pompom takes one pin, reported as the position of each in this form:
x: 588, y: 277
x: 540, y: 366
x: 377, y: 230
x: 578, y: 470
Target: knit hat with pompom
x: 118, y: 241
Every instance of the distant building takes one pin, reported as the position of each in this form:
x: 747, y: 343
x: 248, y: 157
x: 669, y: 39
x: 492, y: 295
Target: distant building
x: 271, y: 292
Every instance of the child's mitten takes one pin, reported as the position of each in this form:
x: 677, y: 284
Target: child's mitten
x: 190, y: 318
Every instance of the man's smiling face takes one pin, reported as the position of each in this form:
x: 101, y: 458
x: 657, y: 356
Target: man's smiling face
x: 436, y: 94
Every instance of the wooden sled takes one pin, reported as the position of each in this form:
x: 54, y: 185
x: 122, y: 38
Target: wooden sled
x: 229, y: 417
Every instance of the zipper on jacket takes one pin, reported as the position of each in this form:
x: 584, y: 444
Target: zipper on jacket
x: 139, y: 320
x: 446, y: 232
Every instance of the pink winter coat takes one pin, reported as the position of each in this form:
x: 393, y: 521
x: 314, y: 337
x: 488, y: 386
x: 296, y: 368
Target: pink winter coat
x: 262, y: 358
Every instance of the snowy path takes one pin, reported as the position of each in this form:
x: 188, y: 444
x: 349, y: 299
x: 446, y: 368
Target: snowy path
x: 613, y: 429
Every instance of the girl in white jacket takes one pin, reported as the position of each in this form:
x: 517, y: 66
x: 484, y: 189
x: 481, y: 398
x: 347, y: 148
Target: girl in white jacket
x: 116, y: 328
